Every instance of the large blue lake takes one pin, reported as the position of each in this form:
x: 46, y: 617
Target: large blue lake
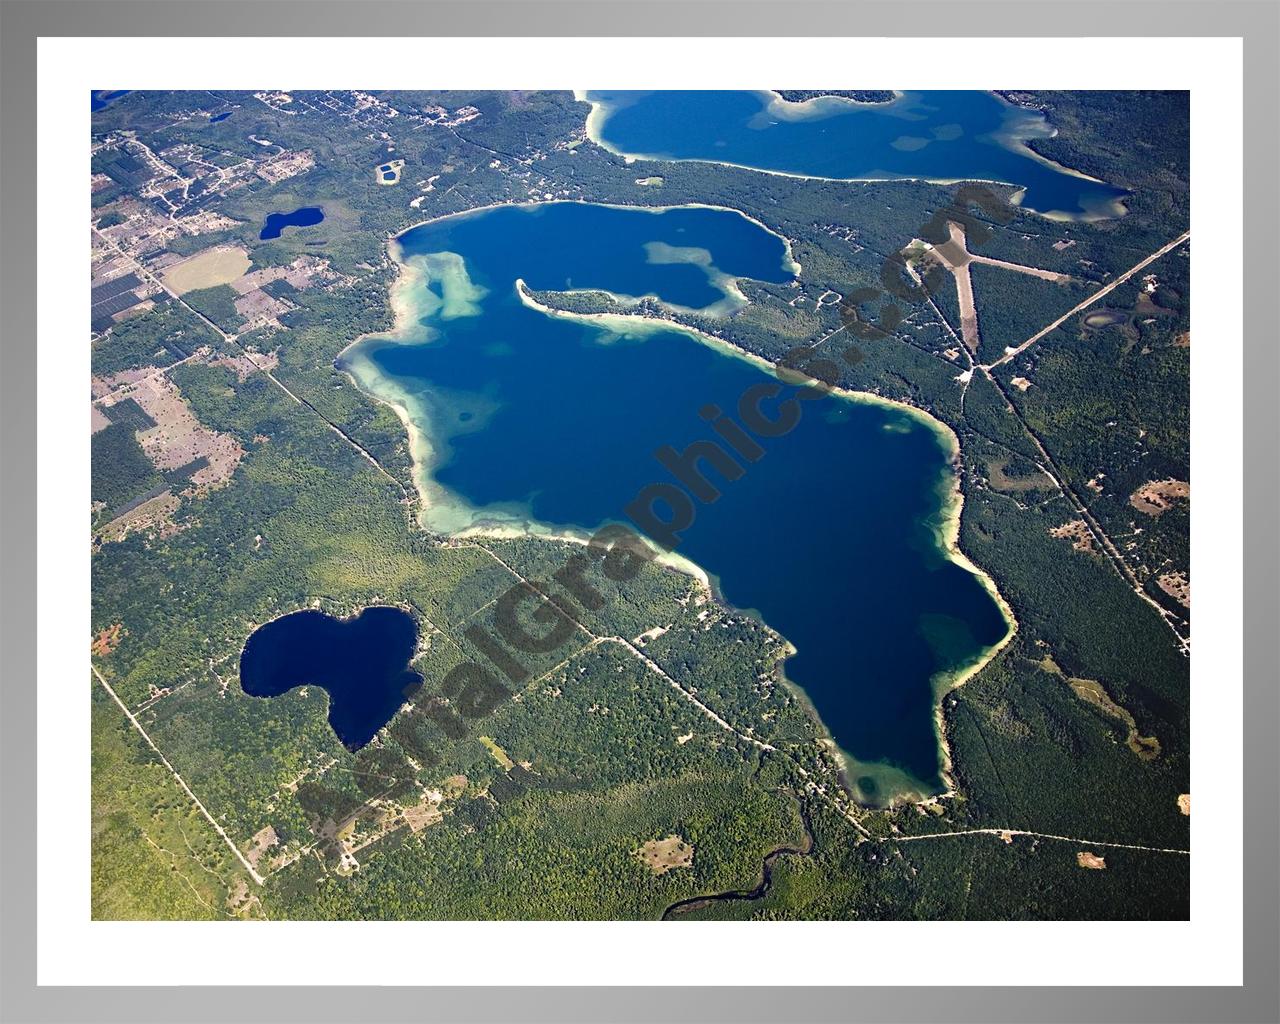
x: 831, y: 536
x: 942, y: 136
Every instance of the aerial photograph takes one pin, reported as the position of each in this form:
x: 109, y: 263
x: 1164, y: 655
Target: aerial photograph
x: 672, y: 505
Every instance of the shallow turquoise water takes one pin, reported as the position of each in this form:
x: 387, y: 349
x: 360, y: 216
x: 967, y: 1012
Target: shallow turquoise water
x: 936, y: 135
x: 826, y: 536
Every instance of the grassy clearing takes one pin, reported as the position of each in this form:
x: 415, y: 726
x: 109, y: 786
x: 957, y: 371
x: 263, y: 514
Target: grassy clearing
x: 207, y: 269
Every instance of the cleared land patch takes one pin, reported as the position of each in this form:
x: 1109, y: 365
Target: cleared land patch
x: 107, y: 640
x: 177, y: 440
x: 153, y: 451
x: 303, y: 273
x: 424, y: 813
x: 498, y: 753
x: 243, y: 365
x: 1147, y: 748
x: 1157, y: 496
x: 97, y: 419
x: 207, y: 269
x: 954, y: 257
x: 1077, y: 532
x: 1002, y: 481
x: 1177, y: 586
x: 263, y: 840
x: 102, y: 386
x: 155, y: 513
x: 389, y: 173
x: 257, y: 308
x: 662, y: 855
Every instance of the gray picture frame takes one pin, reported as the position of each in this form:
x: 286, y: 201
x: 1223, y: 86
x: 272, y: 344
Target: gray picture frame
x: 22, y: 23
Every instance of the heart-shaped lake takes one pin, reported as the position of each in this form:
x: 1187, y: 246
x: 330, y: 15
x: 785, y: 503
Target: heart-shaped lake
x: 361, y: 662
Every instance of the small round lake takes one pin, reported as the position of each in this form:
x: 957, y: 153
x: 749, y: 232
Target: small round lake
x: 361, y: 662
x: 304, y: 217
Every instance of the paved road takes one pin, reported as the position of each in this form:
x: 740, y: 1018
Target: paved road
x: 1037, y: 835
x: 1100, y: 293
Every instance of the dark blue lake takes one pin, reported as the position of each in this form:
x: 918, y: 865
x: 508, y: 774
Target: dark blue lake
x: 99, y: 99
x: 304, y: 217
x: 944, y: 136
x: 832, y: 536
x: 362, y: 663
x: 220, y: 117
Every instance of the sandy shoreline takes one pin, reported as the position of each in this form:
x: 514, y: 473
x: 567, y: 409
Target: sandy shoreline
x: 359, y: 369
x: 947, y: 532
x: 1020, y: 144
x: 640, y: 324
x: 457, y: 522
x: 451, y: 519
x: 804, y: 110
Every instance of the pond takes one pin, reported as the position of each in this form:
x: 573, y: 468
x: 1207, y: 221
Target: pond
x: 1105, y: 318
x: 361, y: 662
x: 305, y: 217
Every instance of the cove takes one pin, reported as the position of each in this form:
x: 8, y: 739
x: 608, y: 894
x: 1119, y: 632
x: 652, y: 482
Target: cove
x: 362, y: 663
x: 940, y: 136
x: 304, y: 217
x: 100, y: 99
x: 835, y: 537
